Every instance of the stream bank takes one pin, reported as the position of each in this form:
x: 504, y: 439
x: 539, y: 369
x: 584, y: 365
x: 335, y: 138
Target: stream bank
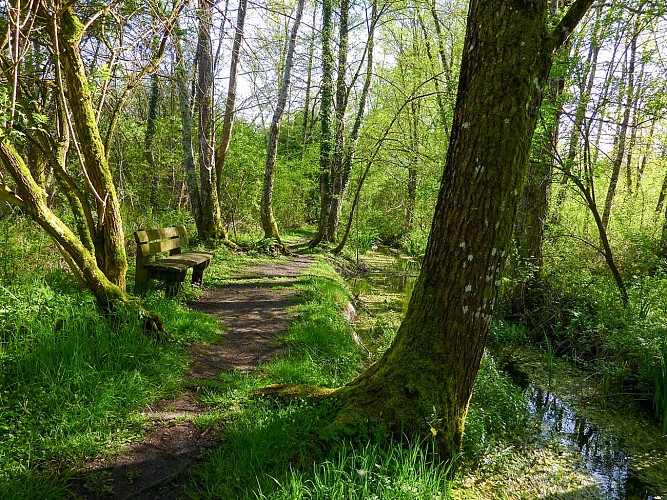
x: 580, y: 443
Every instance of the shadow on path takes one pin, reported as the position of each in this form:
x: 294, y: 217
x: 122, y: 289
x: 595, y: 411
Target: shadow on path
x: 251, y: 315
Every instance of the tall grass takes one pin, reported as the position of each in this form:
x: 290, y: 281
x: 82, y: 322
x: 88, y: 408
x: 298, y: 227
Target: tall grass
x: 320, y: 346
x: 70, y: 380
x: 369, y: 471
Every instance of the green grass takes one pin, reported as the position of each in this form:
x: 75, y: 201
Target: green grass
x: 72, y: 380
x: 272, y: 449
x: 320, y: 346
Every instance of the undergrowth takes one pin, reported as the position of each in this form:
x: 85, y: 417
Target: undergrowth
x: 72, y: 379
x: 574, y: 311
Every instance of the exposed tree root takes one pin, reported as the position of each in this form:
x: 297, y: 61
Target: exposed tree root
x: 291, y: 392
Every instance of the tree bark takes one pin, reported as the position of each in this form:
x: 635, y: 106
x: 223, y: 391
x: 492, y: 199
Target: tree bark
x: 109, y: 239
x: 151, y: 128
x: 331, y: 232
x: 230, y: 103
x: 186, y: 131
x: 211, y: 222
x: 305, y: 137
x: 268, y: 220
x: 423, y: 383
x: 326, y: 136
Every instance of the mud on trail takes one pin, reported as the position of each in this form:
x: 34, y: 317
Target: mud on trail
x: 252, y: 311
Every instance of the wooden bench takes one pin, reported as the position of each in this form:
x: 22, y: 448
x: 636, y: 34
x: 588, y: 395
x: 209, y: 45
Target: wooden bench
x: 172, y: 269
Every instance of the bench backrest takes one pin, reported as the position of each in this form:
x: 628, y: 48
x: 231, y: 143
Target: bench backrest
x: 165, y: 239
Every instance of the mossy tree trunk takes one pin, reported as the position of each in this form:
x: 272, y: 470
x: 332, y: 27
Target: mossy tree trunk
x: 96, y: 251
x: 210, y: 224
x: 326, y: 135
x: 341, y: 149
x: 423, y: 383
x: 109, y: 238
x: 32, y: 199
x: 340, y: 106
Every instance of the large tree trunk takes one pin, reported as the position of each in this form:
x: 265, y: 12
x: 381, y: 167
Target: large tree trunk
x: 423, y: 383
x: 268, y: 220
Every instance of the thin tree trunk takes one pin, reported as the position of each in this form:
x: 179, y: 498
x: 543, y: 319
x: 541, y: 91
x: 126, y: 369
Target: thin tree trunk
x: 450, y: 83
x: 356, y: 128
x: 184, y: 97
x: 534, y: 204
x: 621, y: 137
x: 326, y: 136
x: 602, y: 231
x: 230, y: 103
x: 645, y: 154
x: 151, y: 128
x: 268, y: 221
x: 579, y: 115
x: 305, y: 137
x: 331, y: 232
x: 411, y: 199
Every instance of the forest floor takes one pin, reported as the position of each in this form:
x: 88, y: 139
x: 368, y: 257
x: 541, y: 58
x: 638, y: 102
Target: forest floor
x: 253, y: 309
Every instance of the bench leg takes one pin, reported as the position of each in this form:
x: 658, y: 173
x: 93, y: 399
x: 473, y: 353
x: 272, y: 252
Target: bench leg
x: 172, y: 289
x: 141, y: 281
x: 173, y: 286
x: 198, y: 273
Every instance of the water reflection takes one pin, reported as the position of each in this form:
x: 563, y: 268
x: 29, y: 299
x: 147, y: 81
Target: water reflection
x: 601, y: 454
x: 397, y: 278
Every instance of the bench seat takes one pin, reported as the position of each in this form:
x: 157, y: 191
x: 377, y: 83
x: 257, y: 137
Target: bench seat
x: 170, y: 269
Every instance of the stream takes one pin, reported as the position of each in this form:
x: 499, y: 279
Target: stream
x: 613, y: 472
x: 601, y: 452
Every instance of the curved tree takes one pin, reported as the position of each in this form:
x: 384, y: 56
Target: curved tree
x: 94, y: 247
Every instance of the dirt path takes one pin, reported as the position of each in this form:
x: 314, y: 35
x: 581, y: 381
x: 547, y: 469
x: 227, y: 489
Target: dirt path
x: 253, y: 312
